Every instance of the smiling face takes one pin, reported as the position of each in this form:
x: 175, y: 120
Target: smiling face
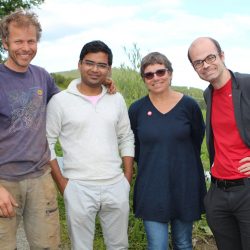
x: 21, y: 45
x: 213, y: 71
x: 94, y: 70
x: 160, y: 81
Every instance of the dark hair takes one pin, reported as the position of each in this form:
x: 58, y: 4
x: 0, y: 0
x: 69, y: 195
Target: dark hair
x: 155, y: 58
x: 216, y: 44
x: 20, y: 18
x: 95, y: 47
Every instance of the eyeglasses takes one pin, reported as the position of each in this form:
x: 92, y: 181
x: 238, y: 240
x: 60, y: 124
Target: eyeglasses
x: 159, y: 72
x: 91, y: 64
x: 199, y: 63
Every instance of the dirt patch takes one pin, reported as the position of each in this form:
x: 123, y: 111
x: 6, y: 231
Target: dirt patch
x: 207, y: 243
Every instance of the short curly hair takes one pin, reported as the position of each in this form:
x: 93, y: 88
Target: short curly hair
x: 21, y: 18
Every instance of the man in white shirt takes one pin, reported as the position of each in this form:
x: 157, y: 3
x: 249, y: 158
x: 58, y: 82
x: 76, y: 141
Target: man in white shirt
x: 94, y: 131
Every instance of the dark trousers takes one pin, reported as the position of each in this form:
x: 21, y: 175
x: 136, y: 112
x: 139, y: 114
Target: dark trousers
x: 228, y: 216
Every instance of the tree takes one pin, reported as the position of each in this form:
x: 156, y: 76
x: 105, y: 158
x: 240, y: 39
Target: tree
x: 7, y: 6
x: 134, y: 56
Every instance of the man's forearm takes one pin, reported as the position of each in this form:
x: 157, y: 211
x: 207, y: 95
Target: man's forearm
x: 128, y: 163
x: 56, y: 173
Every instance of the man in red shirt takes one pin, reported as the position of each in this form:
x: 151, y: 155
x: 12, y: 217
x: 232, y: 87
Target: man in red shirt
x: 228, y: 140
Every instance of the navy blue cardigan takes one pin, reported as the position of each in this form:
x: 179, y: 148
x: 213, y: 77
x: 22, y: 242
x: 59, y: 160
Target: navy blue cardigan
x: 170, y: 181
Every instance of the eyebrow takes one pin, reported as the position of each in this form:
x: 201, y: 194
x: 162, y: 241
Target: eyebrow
x: 102, y: 63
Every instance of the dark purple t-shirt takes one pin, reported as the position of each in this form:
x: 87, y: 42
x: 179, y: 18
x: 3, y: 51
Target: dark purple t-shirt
x: 24, y: 149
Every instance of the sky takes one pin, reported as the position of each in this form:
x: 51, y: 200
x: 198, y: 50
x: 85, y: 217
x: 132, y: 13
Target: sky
x: 166, y: 26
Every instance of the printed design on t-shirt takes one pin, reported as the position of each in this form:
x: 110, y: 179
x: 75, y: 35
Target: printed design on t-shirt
x: 27, y: 109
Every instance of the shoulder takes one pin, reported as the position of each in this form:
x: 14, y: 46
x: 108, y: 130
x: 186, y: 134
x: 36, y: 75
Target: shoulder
x: 241, y: 76
x: 116, y: 98
x: 59, y: 97
x: 117, y: 95
x: 190, y: 101
x: 242, y: 80
x: 43, y: 77
x: 38, y: 69
x: 139, y: 104
x: 190, y: 107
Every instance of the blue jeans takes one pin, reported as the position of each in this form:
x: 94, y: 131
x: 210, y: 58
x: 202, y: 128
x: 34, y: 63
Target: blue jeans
x: 157, y: 235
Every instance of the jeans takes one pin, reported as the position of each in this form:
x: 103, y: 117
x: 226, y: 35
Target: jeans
x: 157, y: 235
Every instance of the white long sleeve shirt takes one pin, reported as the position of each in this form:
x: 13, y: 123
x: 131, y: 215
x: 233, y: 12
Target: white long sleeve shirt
x: 93, y: 137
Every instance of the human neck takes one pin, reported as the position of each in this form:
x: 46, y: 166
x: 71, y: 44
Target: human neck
x: 222, y: 80
x: 89, y: 91
x: 165, y: 101
x: 162, y: 95
x: 15, y: 67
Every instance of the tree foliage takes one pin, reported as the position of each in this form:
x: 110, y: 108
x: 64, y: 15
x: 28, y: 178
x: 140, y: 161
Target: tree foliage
x: 7, y: 6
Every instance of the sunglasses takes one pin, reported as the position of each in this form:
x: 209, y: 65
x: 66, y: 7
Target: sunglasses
x: 159, y: 73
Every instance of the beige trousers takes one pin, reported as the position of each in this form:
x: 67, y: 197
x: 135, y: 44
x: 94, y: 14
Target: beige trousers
x: 110, y: 202
x: 37, y: 200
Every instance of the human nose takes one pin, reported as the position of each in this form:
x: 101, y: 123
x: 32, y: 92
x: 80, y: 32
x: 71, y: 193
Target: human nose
x: 95, y: 67
x: 155, y: 76
x: 205, y: 64
x: 25, y: 46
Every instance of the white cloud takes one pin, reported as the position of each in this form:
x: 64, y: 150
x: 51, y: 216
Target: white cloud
x: 160, y: 25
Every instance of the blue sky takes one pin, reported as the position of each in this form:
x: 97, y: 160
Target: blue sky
x: 167, y: 26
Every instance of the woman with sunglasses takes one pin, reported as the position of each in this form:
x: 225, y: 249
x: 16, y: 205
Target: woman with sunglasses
x: 170, y: 184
